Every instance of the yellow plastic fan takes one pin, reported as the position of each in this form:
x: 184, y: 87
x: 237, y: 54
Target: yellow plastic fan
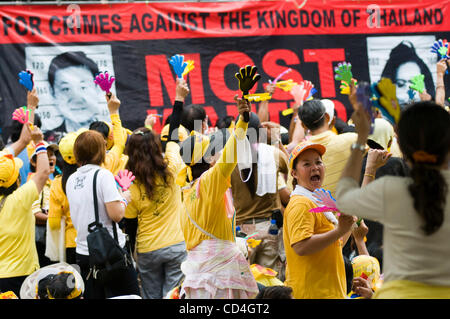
x: 189, y: 67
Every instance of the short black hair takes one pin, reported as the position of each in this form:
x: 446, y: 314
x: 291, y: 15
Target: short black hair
x: 312, y: 114
x: 225, y: 122
x: 100, y: 127
x: 68, y: 59
x: 192, y: 113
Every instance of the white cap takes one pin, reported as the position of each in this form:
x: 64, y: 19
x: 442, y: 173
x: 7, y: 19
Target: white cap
x: 329, y: 108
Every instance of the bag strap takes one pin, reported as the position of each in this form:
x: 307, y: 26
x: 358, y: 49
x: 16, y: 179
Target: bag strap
x: 95, y: 197
x: 97, y: 222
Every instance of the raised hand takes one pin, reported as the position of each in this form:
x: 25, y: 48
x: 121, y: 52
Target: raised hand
x: 302, y: 91
x: 32, y: 99
x: 26, y: 79
x: 376, y: 159
x: 124, y: 179
x: 388, y: 100
x: 243, y: 106
x: 344, y: 72
x: 105, y: 81
x: 418, y: 83
x: 182, y: 90
x: 363, y: 94
x: 178, y: 64
x: 247, y: 78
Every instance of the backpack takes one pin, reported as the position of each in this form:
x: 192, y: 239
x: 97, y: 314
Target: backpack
x: 107, y: 258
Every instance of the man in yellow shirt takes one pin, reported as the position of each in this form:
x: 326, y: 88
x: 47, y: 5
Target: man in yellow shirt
x: 315, y: 119
x: 18, y: 255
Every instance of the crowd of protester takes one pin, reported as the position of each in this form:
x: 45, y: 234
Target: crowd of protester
x: 224, y: 211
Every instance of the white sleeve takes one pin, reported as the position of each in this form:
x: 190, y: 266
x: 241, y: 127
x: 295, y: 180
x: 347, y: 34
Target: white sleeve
x: 108, y: 187
x: 366, y: 202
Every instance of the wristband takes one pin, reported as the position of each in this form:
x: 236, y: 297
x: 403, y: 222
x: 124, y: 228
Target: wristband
x: 356, y: 146
x: 39, y: 144
x: 124, y: 202
x: 370, y: 175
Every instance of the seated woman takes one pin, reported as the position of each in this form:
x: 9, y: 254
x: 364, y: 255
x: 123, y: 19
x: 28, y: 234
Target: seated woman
x: 313, y: 241
x: 215, y: 266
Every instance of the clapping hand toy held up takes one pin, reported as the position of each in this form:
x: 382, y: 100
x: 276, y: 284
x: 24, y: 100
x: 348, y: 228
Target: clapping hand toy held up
x: 418, y: 83
x: 440, y: 47
x: 247, y: 78
x: 325, y: 198
x: 387, y: 101
x: 26, y: 79
x: 22, y: 115
x: 105, y: 82
x: 363, y: 93
x: 178, y: 64
x: 301, y: 93
x: 344, y: 73
x: 124, y: 179
x: 189, y: 68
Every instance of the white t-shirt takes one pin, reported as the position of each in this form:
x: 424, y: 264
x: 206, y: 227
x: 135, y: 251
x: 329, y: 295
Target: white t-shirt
x: 408, y: 254
x: 79, y: 189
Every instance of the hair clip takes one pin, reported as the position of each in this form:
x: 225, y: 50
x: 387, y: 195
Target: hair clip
x: 139, y: 132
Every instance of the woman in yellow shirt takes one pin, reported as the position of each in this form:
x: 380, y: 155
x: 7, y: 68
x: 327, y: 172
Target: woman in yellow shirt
x: 215, y: 267
x: 157, y: 206
x: 18, y: 255
x: 313, y: 241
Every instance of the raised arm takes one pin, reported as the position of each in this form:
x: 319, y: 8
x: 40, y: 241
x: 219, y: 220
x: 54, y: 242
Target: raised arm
x: 228, y: 160
x: 112, y: 160
x: 375, y: 160
x: 42, y: 164
x: 181, y: 92
x: 263, y: 109
x: 441, y: 67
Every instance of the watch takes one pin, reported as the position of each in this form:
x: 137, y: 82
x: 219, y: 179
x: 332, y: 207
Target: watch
x: 356, y: 146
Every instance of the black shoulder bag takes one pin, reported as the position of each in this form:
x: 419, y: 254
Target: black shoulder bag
x: 106, y: 258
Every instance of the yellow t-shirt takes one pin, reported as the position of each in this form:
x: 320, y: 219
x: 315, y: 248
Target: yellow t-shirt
x: 115, y: 160
x: 208, y: 209
x: 58, y: 207
x: 336, y: 156
x: 317, y: 276
x: 159, y: 216
x: 18, y: 255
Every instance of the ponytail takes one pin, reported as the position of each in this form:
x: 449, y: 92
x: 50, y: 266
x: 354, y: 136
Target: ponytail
x: 428, y: 191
